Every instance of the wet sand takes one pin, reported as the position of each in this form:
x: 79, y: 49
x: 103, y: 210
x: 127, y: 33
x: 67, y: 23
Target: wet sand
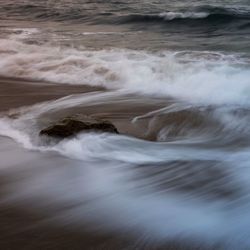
x: 22, y: 229
x: 15, y: 93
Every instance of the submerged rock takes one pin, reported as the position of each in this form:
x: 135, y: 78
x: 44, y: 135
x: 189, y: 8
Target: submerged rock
x: 71, y: 126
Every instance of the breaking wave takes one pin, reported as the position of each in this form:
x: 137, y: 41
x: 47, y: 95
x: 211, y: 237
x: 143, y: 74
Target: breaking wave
x: 207, y: 13
x: 197, y: 77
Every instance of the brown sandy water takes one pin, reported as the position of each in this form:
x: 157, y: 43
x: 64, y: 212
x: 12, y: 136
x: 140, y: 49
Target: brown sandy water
x: 22, y: 92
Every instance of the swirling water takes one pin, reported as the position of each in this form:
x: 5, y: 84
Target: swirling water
x: 177, y: 85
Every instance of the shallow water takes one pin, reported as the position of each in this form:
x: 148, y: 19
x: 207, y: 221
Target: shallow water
x: 176, y: 78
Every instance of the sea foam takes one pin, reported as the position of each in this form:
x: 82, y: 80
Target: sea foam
x: 198, y: 77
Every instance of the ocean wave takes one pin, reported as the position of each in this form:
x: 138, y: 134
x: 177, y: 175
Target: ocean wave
x: 197, y: 77
x: 75, y: 13
x: 209, y: 14
x: 42, y: 12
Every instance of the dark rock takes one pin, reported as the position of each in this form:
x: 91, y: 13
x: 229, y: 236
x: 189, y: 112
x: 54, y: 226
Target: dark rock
x: 70, y: 126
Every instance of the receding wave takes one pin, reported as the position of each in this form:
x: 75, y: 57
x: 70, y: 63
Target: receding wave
x: 180, y: 181
x: 208, y: 14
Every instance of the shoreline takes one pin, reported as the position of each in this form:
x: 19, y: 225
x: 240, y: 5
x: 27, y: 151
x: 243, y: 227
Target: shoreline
x: 17, y: 92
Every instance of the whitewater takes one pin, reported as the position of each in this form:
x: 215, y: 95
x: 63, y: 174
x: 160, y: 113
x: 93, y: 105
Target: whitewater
x: 174, y: 80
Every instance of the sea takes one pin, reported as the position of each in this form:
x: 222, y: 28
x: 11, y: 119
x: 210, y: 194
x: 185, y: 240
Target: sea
x: 174, y: 77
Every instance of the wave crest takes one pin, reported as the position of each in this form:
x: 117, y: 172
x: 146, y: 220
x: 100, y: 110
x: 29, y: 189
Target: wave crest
x: 193, y: 76
x: 205, y: 13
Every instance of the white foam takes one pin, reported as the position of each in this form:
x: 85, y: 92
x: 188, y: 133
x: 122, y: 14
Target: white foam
x: 14, y: 133
x: 130, y: 150
x: 178, y: 15
x: 196, y: 77
x: 99, y: 189
x: 98, y: 185
x: 107, y: 33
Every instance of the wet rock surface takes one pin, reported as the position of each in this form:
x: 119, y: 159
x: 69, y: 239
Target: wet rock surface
x: 70, y: 126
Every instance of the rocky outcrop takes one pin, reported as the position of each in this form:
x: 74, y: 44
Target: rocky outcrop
x: 71, y: 126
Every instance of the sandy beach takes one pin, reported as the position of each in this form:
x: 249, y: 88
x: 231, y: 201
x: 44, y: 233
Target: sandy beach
x: 16, y: 92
